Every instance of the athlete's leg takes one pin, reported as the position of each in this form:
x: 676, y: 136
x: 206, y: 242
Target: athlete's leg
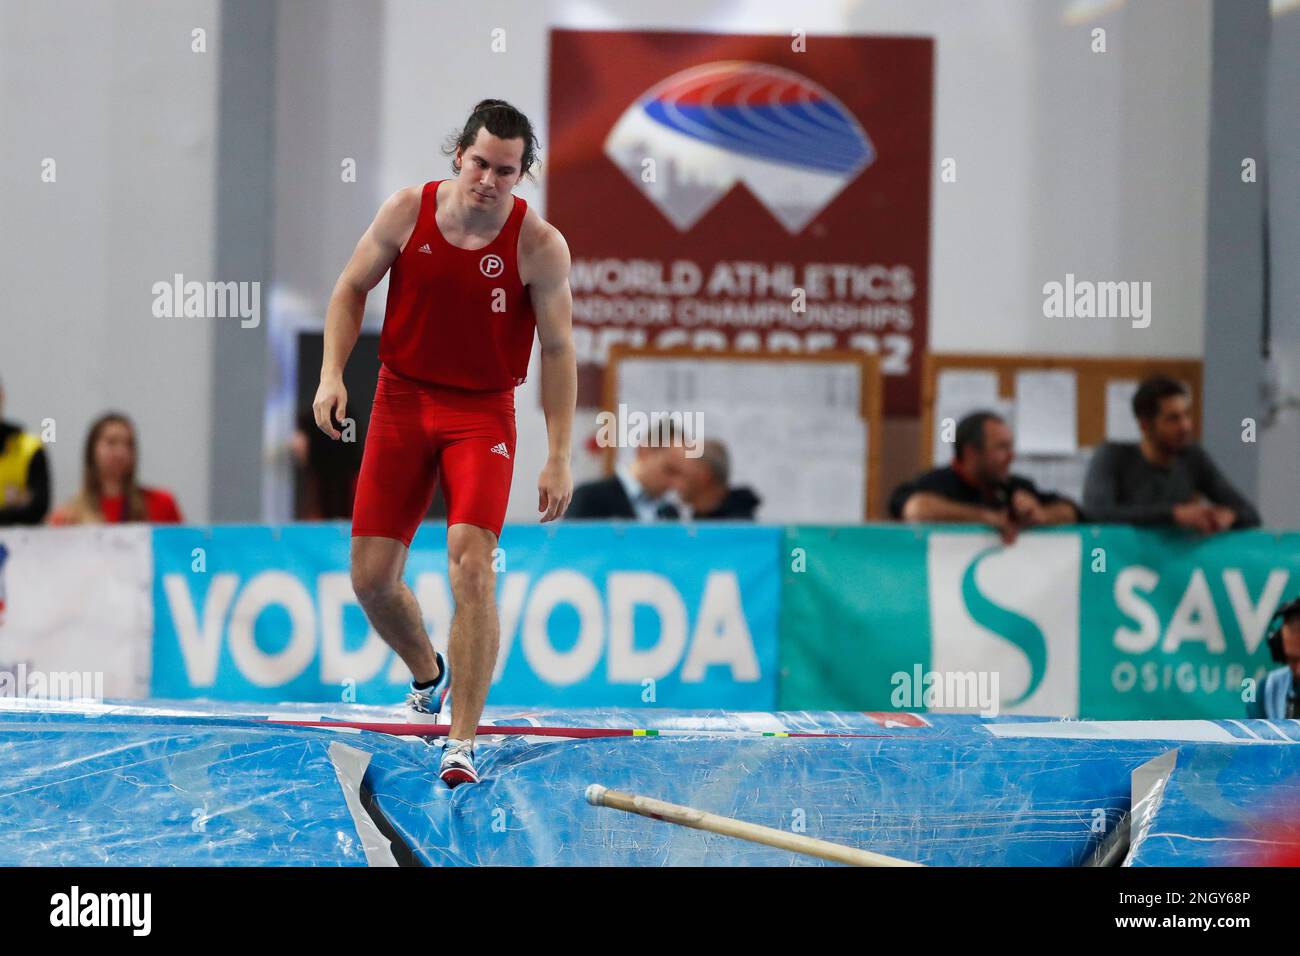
x: 398, y: 473
x: 477, y: 463
x: 377, y: 565
x: 475, y: 631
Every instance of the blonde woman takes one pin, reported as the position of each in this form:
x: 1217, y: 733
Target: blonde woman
x: 109, y: 492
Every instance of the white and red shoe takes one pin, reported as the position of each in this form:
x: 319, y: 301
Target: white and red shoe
x: 458, y: 763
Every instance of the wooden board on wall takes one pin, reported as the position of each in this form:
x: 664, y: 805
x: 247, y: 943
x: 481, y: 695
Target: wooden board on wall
x: 870, y: 395
x: 1092, y: 374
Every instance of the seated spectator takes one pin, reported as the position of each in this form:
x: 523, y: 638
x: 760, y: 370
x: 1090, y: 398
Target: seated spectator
x: 978, y: 486
x: 704, y: 485
x: 109, y: 492
x: 1276, y: 699
x: 642, y: 490
x: 1166, y: 478
x: 24, y: 474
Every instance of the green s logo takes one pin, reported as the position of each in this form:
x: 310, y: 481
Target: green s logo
x: 1008, y: 625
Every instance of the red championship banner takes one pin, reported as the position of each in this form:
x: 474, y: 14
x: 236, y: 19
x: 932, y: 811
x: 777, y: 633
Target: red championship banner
x: 762, y: 193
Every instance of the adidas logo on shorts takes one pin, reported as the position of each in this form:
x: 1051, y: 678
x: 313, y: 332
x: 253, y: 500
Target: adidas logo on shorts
x: 500, y: 449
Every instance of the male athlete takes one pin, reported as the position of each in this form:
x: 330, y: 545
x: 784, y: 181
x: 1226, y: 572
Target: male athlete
x: 473, y: 272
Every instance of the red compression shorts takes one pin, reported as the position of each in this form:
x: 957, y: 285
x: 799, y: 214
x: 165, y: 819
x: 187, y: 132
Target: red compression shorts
x: 420, y: 432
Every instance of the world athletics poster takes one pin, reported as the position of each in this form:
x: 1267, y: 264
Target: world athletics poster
x: 754, y: 193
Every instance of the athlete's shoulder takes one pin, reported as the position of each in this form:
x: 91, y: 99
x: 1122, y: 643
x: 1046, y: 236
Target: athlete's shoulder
x: 404, y: 203
x: 536, y: 233
x: 397, y: 216
x: 543, y: 253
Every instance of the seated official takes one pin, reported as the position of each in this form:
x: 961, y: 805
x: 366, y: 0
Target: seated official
x: 24, y: 475
x: 704, y: 486
x: 641, y: 490
x: 1166, y: 478
x: 978, y: 486
x: 1276, y: 698
x: 109, y: 491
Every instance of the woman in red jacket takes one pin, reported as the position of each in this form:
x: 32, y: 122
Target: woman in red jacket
x: 109, y: 492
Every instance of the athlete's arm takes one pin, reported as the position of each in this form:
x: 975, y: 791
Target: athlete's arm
x: 372, y: 257
x: 548, y: 267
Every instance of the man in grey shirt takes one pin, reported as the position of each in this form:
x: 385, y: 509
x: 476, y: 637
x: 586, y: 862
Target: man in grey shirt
x: 1165, y: 478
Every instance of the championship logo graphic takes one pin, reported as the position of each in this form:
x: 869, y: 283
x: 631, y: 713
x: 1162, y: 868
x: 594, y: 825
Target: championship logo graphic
x: 792, y: 143
x: 723, y: 191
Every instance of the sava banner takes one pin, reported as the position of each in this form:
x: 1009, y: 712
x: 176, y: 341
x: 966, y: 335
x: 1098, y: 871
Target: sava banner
x: 1109, y: 623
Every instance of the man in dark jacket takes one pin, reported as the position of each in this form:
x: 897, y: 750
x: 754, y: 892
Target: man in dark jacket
x: 642, y: 490
x: 704, y: 485
x: 979, y: 488
x: 1166, y: 478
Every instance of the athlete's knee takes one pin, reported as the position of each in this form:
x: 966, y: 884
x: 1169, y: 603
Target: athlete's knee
x: 373, y: 584
x: 470, y: 570
x: 377, y: 565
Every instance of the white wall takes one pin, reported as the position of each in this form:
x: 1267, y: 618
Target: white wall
x: 1068, y: 161
x: 113, y: 94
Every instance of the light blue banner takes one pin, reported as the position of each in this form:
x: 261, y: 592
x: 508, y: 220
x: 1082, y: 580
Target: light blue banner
x: 591, y: 615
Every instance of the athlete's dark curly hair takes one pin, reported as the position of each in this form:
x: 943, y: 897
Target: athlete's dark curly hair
x: 502, y: 120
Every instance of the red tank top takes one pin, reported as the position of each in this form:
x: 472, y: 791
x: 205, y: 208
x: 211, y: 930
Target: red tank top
x: 455, y: 316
